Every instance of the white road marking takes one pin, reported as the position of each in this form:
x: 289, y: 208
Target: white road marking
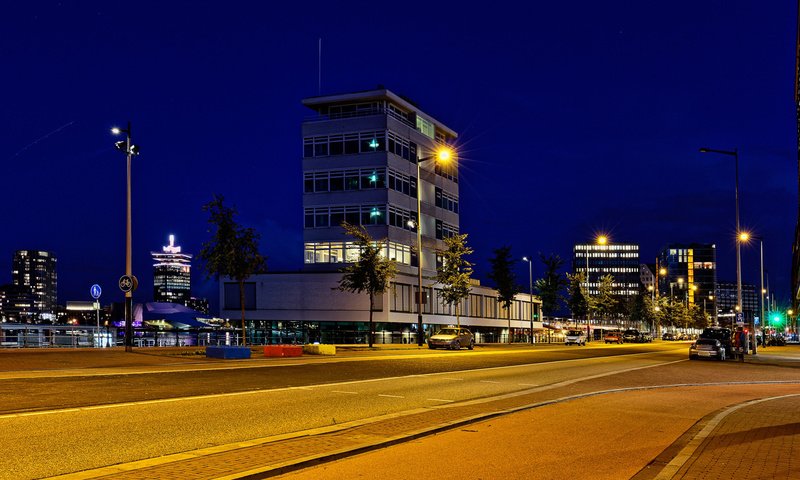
x: 451, y: 378
x: 440, y: 400
x: 488, y: 381
x: 351, y: 382
x: 528, y: 384
x: 390, y: 396
x: 347, y: 393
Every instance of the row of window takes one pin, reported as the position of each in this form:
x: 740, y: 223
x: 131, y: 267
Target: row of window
x: 359, y: 142
x: 348, y: 252
x: 445, y: 230
x: 606, y: 247
x: 322, y: 217
x: 344, y: 144
x: 342, y: 180
x: 369, y: 179
x: 403, y: 299
x: 361, y: 179
x: 446, y: 200
x: 606, y: 255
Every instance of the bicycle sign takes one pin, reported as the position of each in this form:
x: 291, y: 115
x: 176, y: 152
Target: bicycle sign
x: 125, y: 283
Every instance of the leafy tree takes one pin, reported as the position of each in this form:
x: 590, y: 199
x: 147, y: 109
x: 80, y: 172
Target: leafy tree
x: 551, y: 286
x: 372, y: 273
x: 232, y: 251
x: 603, y: 303
x: 576, y: 298
x: 699, y: 318
x: 639, y: 310
x: 502, y: 274
x: 455, y: 272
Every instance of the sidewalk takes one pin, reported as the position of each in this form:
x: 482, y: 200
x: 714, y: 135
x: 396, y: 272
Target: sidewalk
x: 759, y: 440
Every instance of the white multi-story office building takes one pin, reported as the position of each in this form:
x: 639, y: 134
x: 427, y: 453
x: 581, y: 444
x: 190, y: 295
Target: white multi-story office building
x: 360, y: 158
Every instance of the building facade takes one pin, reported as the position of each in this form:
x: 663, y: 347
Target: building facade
x: 360, y: 157
x: 17, y: 304
x: 691, y: 274
x: 367, y: 159
x: 172, y: 274
x: 647, y: 276
x: 620, y: 260
x: 36, y: 270
x: 726, y: 302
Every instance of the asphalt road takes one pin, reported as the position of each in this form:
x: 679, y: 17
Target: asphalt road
x: 72, y: 423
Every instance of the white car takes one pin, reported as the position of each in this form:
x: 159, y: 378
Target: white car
x: 578, y: 337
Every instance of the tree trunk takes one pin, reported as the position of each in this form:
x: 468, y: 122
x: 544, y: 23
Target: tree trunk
x: 370, y: 320
x: 510, y: 339
x: 241, y: 304
x: 458, y: 320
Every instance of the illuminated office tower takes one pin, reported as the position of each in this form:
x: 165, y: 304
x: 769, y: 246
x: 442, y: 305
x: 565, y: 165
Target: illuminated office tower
x: 172, y: 279
x: 36, y: 270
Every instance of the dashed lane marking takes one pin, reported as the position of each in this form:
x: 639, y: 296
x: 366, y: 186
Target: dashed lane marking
x: 441, y: 375
x: 390, y: 396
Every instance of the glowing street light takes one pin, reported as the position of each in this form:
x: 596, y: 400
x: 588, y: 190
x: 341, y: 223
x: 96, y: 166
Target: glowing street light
x: 530, y: 279
x: 744, y: 237
x: 441, y: 155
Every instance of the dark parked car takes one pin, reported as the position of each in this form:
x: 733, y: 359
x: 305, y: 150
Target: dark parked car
x: 723, y: 335
x: 668, y: 337
x: 707, y: 348
x: 632, y: 335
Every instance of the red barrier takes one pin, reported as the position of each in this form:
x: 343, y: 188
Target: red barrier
x: 283, y: 350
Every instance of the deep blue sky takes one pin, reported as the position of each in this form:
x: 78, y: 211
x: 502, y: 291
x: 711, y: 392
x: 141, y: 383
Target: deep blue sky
x: 574, y: 118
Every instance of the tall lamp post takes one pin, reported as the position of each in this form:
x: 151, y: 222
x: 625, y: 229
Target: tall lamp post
x: 530, y: 280
x: 735, y: 154
x: 442, y: 155
x: 129, y: 149
x: 744, y: 237
x: 600, y: 240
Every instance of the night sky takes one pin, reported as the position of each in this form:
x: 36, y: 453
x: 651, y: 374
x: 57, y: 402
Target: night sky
x: 575, y: 118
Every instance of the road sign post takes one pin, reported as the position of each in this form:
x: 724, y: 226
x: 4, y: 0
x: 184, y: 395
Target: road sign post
x: 95, y: 291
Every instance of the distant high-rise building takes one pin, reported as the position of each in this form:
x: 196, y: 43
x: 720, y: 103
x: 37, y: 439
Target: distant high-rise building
x: 36, y: 270
x: 16, y: 304
x: 172, y: 279
x: 620, y: 260
x: 691, y: 274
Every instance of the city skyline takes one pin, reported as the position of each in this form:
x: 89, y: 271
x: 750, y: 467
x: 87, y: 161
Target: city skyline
x: 570, y: 126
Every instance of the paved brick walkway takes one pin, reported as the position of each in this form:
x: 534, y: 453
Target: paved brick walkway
x: 759, y: 441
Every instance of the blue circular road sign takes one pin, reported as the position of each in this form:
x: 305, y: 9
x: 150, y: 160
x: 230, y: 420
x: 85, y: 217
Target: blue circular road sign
x: 95, y: 291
